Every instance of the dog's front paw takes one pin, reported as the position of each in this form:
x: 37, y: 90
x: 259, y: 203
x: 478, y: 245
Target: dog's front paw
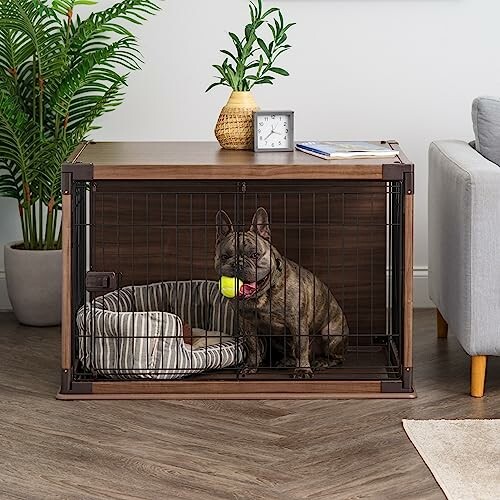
x: 285, y: 363
x: 337, y: 360
x: 302, y: 373
x: 319, y: 364
x: 248, y: 370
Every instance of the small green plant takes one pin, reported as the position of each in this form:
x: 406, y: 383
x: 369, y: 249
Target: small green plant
x: 58, y: 74
x: 255, y: 60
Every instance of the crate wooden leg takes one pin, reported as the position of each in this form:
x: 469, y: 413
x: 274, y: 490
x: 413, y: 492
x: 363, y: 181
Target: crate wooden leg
x: 442, y: 326
x: 66, y: 320
x: 408, y: 293
x: 477, y: 376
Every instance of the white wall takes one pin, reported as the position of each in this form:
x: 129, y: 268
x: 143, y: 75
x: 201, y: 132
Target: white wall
x: 360, y: 69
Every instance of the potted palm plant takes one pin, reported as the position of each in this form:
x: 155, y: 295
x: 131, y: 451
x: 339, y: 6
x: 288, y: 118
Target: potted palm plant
x: 58, y: 73
x: 252, y: 63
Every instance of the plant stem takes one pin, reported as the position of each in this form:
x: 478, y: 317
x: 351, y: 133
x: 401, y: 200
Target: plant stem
x: 40, y: 217
x: 49, y: 240
x: 29, y: 227
x: 35, y: 236
x: 27, y: 213
x: 23, y: 225
x: 54, y: 226
x: 40, y: 107
x: 34, y: 88
x: 50, y: 226
x: 59, y: 236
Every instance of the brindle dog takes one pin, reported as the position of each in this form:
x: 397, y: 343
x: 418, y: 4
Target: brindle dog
x: 278, y: 296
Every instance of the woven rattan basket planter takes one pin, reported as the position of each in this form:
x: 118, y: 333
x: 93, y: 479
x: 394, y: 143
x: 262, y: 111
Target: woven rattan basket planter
x: 234, y: 129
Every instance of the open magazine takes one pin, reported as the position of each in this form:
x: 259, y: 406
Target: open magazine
x: 339, y: 150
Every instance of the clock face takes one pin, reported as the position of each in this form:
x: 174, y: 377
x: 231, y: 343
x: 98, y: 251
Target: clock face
x: 273, y: 131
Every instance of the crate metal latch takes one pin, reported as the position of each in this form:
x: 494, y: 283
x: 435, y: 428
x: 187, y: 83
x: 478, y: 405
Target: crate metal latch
x: 101, y: 281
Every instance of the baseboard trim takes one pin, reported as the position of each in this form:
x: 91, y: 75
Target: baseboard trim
x: 421, y: 298
x: 420, y: 290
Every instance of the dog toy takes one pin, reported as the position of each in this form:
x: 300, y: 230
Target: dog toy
x: 229, y: 286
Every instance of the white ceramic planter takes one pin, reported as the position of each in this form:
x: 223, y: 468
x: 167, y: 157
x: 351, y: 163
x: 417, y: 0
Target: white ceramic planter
x: 34, y: 284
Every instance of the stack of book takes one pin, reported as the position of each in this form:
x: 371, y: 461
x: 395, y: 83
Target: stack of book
x: 339, y: 150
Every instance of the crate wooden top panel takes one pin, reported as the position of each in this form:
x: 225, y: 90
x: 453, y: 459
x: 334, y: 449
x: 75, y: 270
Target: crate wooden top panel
x: 206, y: 160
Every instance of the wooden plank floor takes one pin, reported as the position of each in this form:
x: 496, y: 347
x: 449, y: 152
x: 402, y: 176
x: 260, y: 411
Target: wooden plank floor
x: 220, y: 449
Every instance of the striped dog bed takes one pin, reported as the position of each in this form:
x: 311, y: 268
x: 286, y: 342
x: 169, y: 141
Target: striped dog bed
x: 136, y: 332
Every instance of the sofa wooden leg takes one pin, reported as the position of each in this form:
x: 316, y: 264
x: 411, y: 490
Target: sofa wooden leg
x: 442, y: 326
x: 477, y: 376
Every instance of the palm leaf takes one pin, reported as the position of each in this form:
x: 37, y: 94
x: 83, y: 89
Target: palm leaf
x: 10, y: 180
x: 108, y: 21
x: 93, y: 74
x: 18, y: 132
x: 58, y: 74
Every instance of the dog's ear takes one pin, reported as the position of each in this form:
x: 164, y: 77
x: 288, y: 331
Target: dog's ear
x: 224, y: 226
x: 260, y: 224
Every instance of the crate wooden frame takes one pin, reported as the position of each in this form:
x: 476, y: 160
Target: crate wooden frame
x: 205, y: 161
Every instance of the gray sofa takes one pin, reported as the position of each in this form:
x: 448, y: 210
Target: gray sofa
x: 464, y: 250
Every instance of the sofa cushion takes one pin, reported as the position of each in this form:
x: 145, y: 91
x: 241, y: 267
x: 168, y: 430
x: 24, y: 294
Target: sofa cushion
x: 486, y: 121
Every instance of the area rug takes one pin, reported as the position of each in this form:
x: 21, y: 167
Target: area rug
x: 463, y: 455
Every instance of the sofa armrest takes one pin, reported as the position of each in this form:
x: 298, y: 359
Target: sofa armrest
x: 464, y: 244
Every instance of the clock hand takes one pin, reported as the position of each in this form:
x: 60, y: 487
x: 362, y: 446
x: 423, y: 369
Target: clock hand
x: 270, y: 134
x: 274, y: 132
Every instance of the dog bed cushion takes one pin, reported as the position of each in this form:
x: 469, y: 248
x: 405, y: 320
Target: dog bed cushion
x: 137, y: 331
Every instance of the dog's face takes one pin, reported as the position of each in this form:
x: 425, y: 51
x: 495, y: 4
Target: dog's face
x: 246, y: 255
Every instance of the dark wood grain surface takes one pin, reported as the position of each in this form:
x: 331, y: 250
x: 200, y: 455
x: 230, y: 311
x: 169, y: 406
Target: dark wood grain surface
x: 204, y: 450
x: 206, y: 160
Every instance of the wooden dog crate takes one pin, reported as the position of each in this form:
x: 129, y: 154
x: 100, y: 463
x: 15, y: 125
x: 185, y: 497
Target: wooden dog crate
x: 136, y: 214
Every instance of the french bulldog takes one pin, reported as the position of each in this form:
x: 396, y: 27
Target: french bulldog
x: 278, y: 296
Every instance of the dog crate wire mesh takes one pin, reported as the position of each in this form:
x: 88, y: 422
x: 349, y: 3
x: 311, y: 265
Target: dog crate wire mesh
x: 158, y: 239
